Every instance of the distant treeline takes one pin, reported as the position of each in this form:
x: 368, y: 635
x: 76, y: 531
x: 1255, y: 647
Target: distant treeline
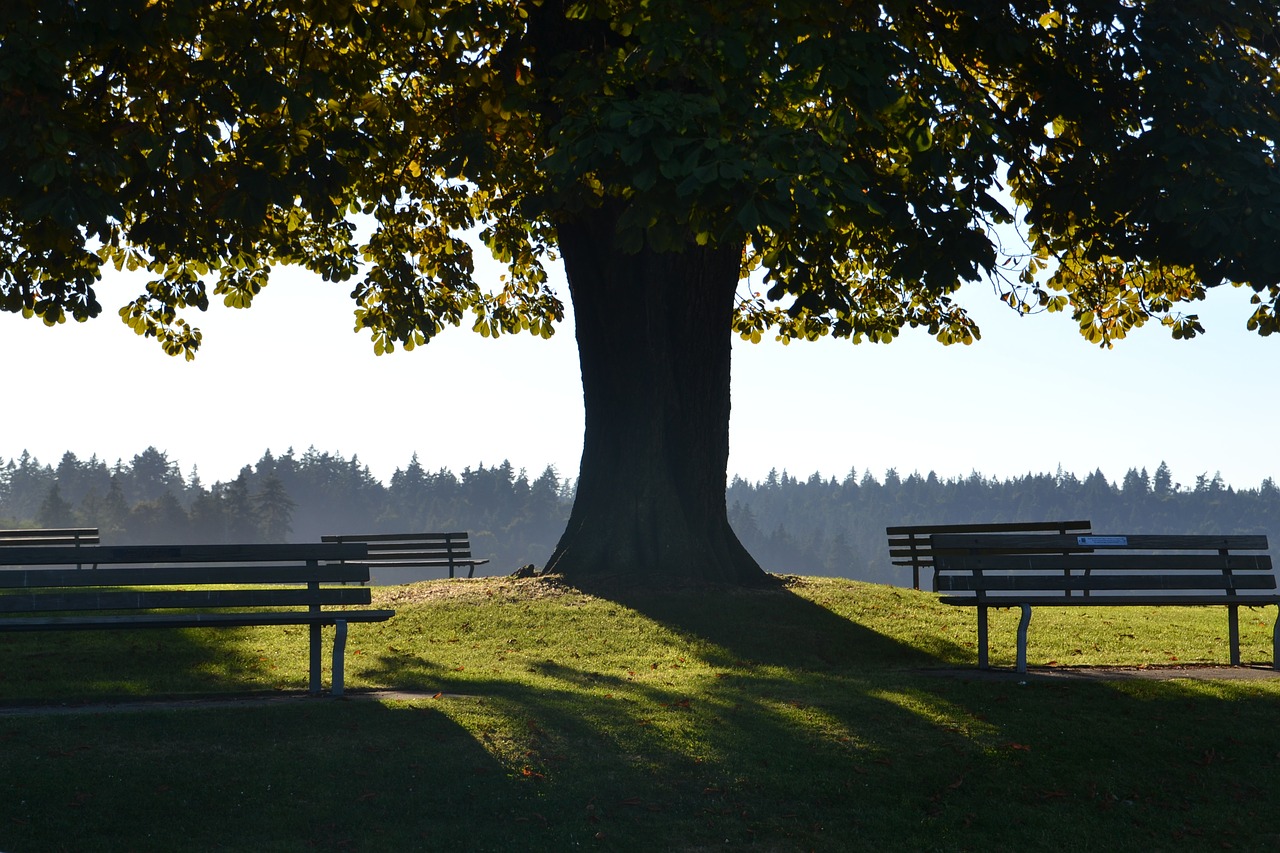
x: 513, y: 520
x: 836, y: 527
x: 817, y: 526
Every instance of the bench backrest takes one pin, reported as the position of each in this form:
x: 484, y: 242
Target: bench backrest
x: 413, y: 550
x: 44, y: 580
x: 992, y: 566
x: 49, y: 536
x: 912, y: 545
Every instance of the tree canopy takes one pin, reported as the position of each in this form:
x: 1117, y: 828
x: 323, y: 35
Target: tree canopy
x: 1110, y: 160
x: 863, y: 153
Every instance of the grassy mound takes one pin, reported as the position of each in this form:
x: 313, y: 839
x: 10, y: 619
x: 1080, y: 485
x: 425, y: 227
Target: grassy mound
x: 828, y: 714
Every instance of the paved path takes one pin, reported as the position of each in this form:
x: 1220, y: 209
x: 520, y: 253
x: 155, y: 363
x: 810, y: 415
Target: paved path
x: 1196, y: 672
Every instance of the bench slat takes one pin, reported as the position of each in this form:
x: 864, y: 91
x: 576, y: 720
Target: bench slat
x: 989, y: 527
x: 430, y: 563
x: 1014, y: 583
x: 1103, y: 562
x: 22, y: 555
x: 1189, y: 600
x: 183, y: 575
x: 379, y: 548
x: 193, y: 620
x: 373, y: 538
x: 173, y: 599
x: 1049, y: 543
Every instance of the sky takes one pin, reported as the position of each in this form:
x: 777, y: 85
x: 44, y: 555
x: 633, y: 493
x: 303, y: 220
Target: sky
x: 1031, y: 397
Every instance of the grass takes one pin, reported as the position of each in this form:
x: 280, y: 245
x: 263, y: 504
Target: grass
x: 826, y: 716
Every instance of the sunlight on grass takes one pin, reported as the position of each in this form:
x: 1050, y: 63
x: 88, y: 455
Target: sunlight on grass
x: 793, y: 719
x: 932, y: 708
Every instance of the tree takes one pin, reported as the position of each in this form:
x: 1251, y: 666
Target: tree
x: 861, y: 159
x: 151, y: 475
x: 55, y: 511
x: 274, y: 509
x: 239, y: 520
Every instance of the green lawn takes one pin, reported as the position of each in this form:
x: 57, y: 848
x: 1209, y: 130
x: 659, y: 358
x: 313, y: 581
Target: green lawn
x: 826, y: 716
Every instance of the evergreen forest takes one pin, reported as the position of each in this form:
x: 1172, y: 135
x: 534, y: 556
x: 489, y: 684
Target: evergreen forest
x: 815, y: 526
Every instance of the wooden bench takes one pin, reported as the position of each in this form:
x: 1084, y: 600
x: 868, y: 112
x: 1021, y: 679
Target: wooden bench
x: 910, y: 545
x: 1028, y: 571
x: 410, y: 551
x: 49, y: 536
x: 189, y: 586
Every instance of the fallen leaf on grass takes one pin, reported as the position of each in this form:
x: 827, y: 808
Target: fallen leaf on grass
x: 534, y: 816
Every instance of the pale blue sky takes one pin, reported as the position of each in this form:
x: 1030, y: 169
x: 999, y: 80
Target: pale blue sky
x: 1032, y: 395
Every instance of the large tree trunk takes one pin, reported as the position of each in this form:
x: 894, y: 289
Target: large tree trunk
x: 654, y: 344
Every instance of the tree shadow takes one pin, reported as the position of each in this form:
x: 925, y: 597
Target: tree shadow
x: 302, y: 775
x: 119, y: 664
x: 791, y: 759
x: 806, y: 731
x: 774, y: 625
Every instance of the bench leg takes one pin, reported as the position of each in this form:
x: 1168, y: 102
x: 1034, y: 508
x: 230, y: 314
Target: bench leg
x: 982, y: 638
x: 339, y: 655
x: 315, y: 659
x: 1275, y: 644
x: 1233, y: 632
x: 1023, y: 624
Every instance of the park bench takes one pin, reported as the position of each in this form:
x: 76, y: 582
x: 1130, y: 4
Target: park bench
x: 189, y: 586
x: 49, y: 536
x: 1025, y: 571
x: 404, y: 553
x: 910, y: 545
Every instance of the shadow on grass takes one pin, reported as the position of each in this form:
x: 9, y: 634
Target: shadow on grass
x: 802, y: 730
x: 814, y: 733
x: 315, y: 775
x: 101, y: 665
x: 774, y: 626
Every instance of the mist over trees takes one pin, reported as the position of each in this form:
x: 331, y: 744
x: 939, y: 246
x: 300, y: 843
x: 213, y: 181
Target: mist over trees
x: 837, y: 527
x: 513, y: 518
x: 815, y: 526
